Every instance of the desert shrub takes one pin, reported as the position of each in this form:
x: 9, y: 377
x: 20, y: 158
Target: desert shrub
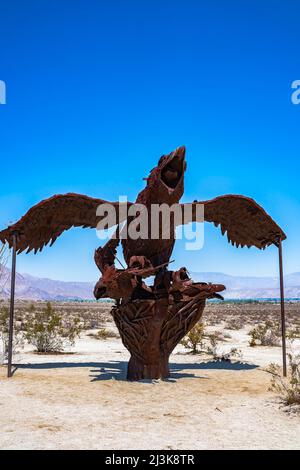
x: 234, y: 354
x: 293, y: 333
x: 194, y: 338
x: 212, y: 321
x: 236, y: 323
x: 265, y: 334
x: 197, y: 340
x: 288, y: 388
x: 93, y: 324
x: 18, y: 338
x: 212, y: 341
x: 47, y: 330
x: 104, y: 333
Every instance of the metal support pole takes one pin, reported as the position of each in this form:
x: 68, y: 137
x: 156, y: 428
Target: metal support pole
x: 12, y: 305
x: 282, y: 309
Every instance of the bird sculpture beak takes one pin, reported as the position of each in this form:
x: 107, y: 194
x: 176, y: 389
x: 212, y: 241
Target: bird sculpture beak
x: 174, y: 168
x: 179, y: 153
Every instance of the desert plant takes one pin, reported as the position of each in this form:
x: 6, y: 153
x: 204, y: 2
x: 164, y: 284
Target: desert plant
x: 18, y: 339
x: 265, y: 334
x: 293, y: 333
x: 236, y: 323
x: 212, y: 341
x: 93, y: 324
x: 194, y: 338
x: 288, y: 388
x: 104, y: 333
x: 197, y: 340
x: 46, y: 330
x: 234, y: 354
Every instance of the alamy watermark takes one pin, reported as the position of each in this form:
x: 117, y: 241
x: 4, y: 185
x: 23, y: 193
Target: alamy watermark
x: 2, y: 92
x: 154, y: 222
x: 296, y: 94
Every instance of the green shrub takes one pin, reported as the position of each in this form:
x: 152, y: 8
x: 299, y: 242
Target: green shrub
x: 288, y: 387
x: 293, y: 333
x: 194, y: 338
x: 213, y: 340
x: 18, y: 338
x: 48, y: 331
x: 265, y: 334
x: 235, y: 323
x: 198, y: 341
x: 103, y: 333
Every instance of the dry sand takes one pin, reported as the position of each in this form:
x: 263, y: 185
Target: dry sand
x: 82, y: 401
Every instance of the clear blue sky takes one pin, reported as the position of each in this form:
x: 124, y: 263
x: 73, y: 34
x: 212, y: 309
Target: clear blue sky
x: 98, y: 90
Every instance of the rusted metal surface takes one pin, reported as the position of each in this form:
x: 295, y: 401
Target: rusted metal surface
x: 151, y: 329
x: 12, y: 306
x: 48, y: 219
x: 283, y: 329
x: 151, y: 319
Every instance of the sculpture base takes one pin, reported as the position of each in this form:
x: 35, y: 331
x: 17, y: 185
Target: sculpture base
x: 150, y: 330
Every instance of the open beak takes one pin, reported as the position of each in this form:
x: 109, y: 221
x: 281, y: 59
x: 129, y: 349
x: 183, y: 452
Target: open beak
x: 179, y: 152
x: 100, y: 290
x: 215, y: 288
x: 174, y: 168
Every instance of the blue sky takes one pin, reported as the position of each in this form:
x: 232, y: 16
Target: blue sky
x: 97, y: 91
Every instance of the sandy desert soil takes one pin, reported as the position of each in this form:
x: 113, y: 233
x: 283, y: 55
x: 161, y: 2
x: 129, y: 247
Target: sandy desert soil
x: 82, y: 401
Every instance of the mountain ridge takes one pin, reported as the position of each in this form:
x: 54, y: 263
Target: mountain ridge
x: 30, y: 287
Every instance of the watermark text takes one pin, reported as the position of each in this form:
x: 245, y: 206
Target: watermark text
x: 153, y: 222
x: 2, y: 92
x: 296, y: 94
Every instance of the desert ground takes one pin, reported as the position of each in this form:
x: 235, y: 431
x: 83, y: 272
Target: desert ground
x: 81, y: 400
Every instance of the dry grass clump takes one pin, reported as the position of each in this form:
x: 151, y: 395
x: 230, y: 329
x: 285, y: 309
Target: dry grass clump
x: 103, y: 334
x: 288, y: 388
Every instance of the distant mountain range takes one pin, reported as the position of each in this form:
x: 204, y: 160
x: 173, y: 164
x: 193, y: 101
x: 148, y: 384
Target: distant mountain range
x: 35, y: 288
x: 240, y: 287
x: 237, y: 287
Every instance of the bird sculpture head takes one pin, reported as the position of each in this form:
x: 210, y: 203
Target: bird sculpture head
x: 166, y: 181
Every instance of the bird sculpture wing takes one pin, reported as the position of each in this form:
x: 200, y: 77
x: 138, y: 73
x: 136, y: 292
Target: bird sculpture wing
x: 245, y: 221
x: 48, y: 219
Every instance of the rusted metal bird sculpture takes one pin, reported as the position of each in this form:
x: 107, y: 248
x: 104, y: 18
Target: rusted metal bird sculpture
x: 151, y: 319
